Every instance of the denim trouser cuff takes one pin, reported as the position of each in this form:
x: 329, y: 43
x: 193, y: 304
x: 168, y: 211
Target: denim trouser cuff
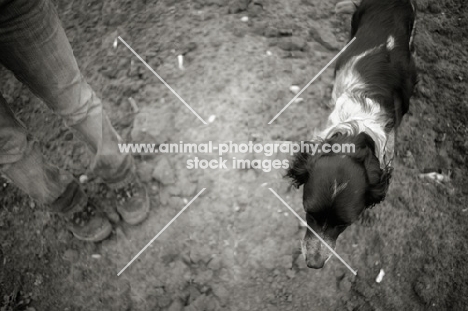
x: 121, y: 176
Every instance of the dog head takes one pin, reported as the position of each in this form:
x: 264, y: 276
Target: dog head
x: 338, y: 187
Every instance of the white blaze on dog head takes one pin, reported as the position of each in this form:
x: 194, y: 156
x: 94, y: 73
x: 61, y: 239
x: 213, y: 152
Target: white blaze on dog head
x: 337, y: 188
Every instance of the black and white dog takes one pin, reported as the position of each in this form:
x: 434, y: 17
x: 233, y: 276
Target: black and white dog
x: 374, y: 80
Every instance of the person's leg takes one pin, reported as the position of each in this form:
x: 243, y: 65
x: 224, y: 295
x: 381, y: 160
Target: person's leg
x: 33, y: 45
x: 22, y: 162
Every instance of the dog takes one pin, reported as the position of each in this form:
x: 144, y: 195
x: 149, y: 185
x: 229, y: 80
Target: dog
x: 374, y: 81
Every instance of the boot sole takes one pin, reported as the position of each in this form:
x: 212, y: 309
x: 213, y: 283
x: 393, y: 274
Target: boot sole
x: 102, y: 235
x: 136, y: 218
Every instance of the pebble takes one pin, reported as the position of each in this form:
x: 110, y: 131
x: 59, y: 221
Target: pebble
x: 380, y: 276
x: 292, y: 44
x: 237, y: 6
x: 221, y: 292
x: 290, y: 273
x: 113, y: 216
x: 203, y: 277
x: 83, y: 179
x: 133, y: 104
x: 245, y: 19
x: 211, y: 118
x: 325, y: 37
x: 163, y: 172
x: 197, y: 255
x: 164, y: 301
x: 96, y: 256
x: 294, y: 89
x: 345, y: 7
x: 176, y: 306
x: 215, y: 263
x: 144, y: 171
x: 180, y: 60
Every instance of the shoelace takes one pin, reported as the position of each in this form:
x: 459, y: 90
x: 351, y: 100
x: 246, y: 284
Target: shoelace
x: 82, y: 217
x: 126, y: 192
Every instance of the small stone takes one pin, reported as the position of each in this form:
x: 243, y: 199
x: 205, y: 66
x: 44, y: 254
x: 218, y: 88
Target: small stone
x: 198, y: 254
x: 325, y: 37
x: 345, y: 7
x: 203, y: 277
x: 68, y: 136
x: 144, y: 171
x: 83, y: 179
x: 215, y: 263
x: 294, y: 89
x: 113, y: 216
x: 237, y: 6
x: 164, y: 197
x: 163, y: 172
x: 434, y: 8
x: 244, y: 19
x: 292, y: 44
x: 96, y: 256
x: 290, y: 273
x: 255, y: 10
x: 199, y: 303
x: 380, y: 276
x: 164, y: 301
x: 176, y: 305
x: 221, y: 292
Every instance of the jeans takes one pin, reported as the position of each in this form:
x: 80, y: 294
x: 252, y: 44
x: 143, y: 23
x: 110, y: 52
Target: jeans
x: 33, y: 45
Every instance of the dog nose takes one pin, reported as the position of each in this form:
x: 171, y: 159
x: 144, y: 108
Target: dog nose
x: 315, y: 262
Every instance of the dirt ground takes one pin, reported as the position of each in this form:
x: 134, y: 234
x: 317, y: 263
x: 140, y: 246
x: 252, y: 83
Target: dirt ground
x: 236, y: 247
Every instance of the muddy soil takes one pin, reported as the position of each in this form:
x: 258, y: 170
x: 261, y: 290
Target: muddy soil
x: 237, y: 246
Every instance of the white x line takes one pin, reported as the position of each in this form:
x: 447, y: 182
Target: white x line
x: 311, y: 81
x: 162, y: 80
x: 318, y: 236
x: 157, y: 235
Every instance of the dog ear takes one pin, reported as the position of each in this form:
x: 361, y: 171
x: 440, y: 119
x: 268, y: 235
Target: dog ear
x: 299, y: 169
x: 378, y: 179
x: 377, y: 191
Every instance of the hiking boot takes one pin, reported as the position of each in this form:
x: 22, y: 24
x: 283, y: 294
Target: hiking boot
x: 81, y: 215
x: 89, y: 224
x: 133, y: 202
